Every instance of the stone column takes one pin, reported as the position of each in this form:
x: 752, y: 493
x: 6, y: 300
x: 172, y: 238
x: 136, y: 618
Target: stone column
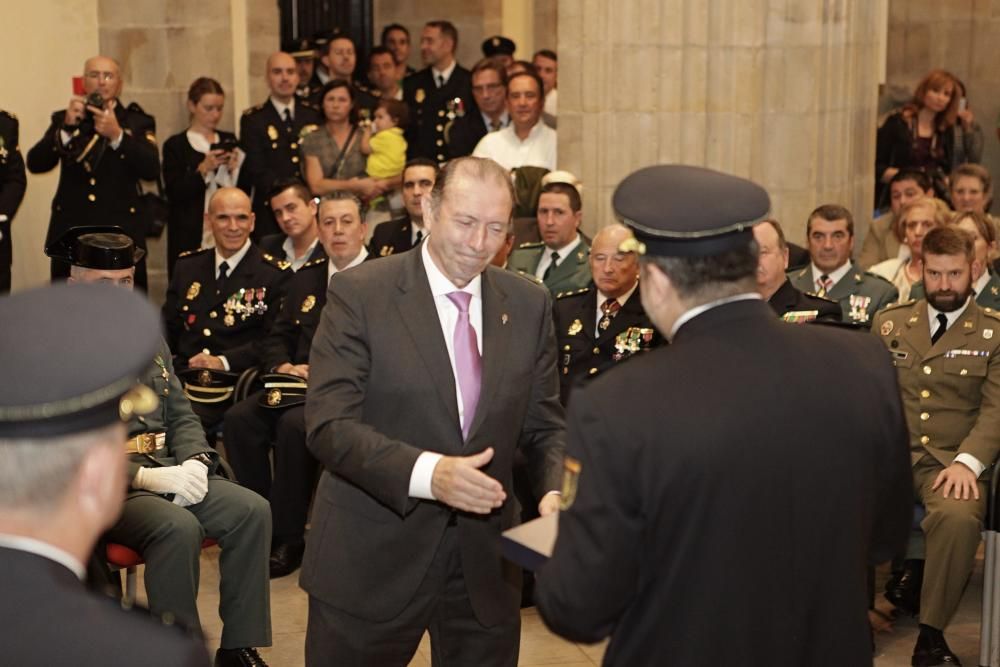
x: 779, y: 91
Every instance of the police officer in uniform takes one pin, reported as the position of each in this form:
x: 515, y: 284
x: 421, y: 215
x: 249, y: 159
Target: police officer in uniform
x: 692, y: 510
x: 270, y: 134
x: 102, y: 152
x: 63, y: 473
x: 789, y: 303
x: 600, y: 326
x: 945, y: 348
x: 219, y: 303
x: 12, y: 185
x: 175, y: 497
x: 437, y: 94
x: 831, y: 274
x: 304, y: 52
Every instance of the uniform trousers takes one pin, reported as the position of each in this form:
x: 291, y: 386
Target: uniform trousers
x: 169, y: 539
x: 248, y: 433
x: 441, y: 605
x: 952, y: 531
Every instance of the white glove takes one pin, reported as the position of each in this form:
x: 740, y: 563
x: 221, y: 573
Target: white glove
x: 188, y: 481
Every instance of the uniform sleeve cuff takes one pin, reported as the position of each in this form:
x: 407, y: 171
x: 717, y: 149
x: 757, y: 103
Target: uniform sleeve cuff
x: 971, y: 462
x: 422, y: 474
x: 225, y: 362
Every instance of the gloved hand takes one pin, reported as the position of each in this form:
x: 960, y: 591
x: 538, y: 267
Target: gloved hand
x: 184, y: 481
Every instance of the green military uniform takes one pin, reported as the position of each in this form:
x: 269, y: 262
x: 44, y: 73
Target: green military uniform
x: 571, y: 274
x: 860, y: 294
x: 169, y: 536
x: 951, y: 396
x: 988, y: 297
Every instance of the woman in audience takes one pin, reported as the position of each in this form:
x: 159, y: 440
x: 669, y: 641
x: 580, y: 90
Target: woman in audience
x: 331, y: 156
x: 196, y: 163
x: 971, y: 189
x: 920, y: 135
x: 915, y: 220
x: 968, y: 134
x: 984, y: 282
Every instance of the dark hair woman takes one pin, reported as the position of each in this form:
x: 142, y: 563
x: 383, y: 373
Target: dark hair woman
x: 196, y: 163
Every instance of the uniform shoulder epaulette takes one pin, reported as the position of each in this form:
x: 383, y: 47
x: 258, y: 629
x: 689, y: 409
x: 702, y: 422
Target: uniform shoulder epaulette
x: 869, y: 274
x: 135, y: 108
x: 274, y: 261
x: 572, y: 292
x: 530, y: 277
x: 319, y: 261
x: 897, y: 306
x: 192, y: 253
x: 990, y: 312
x: 531, y: 244
x: 306, y: 102
x: 253, y: 109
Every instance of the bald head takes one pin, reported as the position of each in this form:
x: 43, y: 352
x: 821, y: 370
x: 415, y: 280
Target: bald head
x: 282, y: 76
x: 102, y: 75
x: 614, y: 272
x: 231, y: 219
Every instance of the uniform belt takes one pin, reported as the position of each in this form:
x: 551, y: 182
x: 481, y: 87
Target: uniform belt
x: 146, y: 443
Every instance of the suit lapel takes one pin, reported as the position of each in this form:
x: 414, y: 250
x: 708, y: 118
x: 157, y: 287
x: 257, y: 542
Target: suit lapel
x: 419, y: 314
x: 497, y: 329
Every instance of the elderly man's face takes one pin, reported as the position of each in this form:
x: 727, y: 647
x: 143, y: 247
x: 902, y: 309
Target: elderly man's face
x: 469, y: 227
x: 488, y: 91
x: 124, y: 278
x: 830, y: 244
x: 231, y: 219
x: 102, y: 75
x: 772, y: 260
x: 614, y: 272
x: 341, y: 231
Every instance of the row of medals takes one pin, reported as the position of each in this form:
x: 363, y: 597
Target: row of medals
x: 244, y: 303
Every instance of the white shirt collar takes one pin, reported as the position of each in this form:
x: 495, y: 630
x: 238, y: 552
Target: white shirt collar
x: 441, y: 285
x: 446, y: 73
x: 698, y: 310
x: 980, y: 284
x: 289, y: 248
x: 952, y: 317
x: 233, y: 261
x: 537, y: 128
x: 834, y: 275
x: 566, y: 250
x: 198, y: 141
x: 417, y: 227
x: 281, y: 107
x: 45, y: 550
x: 331, y: 268
x: 623, y: 299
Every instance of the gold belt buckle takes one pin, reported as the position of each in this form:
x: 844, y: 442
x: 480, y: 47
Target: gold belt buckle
x: 145, y: 443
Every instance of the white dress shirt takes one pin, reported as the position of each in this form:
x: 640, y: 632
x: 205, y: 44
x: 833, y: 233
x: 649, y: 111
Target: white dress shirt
x: 447, y: 312
x: 289, y: 249
x: 331, y: 268
x: 834, y: 275
x: 416, y: 227
x: 446, y: 73
x: 537, y: 150
x: 563, y: 252
x: 281, y: 106
x: 45, y: 550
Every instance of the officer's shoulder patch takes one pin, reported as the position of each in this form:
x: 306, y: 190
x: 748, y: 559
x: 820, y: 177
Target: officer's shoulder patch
x: 253, y: 109
x: 314, y: 262
x: 274, y: 261
x: 135, y: 108
x: 897, y: 306
x: 192, y: 253
x: 306, y: 103
x: 572, y: 292
x: 530, y: 277
x: 530, y: 244
x: 992, y: 312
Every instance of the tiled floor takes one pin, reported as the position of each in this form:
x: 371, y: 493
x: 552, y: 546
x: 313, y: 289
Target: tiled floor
x: 538, y: 645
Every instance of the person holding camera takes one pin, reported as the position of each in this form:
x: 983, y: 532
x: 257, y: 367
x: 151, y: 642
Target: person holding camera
x: 196, y: 163
x: 103, y: 149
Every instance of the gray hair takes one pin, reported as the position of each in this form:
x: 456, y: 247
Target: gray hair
x: 344, y: 195
x: 480, y: 168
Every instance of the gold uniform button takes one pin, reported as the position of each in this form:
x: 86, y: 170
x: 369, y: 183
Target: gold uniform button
x: 566, y: 347
x: 439, y: 127
x: 93, y: 181
x: 924, y: 439
x: 592, y: 371
x: 131, y: 209
x: 207, y: 332
x: 441, y: 113
x: 213, y: 314
x: 295, y: 158
x: 294, y: 145
x: 964, y: 371
x: 925, y: 394
x: 597, y: 350
x: 92, y: 197
x: 440, y: 143
x: 927, y: 370
x: 274, y: 145
x: 440, y: 158
x: 924, y: 416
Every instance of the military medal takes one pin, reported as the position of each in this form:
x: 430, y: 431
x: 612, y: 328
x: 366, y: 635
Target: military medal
x: 886, y: 328
x: 272, y: 132
x: 261, y: 307
x: 630, y: 341
x: 308, y: 304
x: 205, y: 378
x: 859, y: 307
x: 575, y: 328
x: 229, y: 320
x: 456, y: 109
x: 193, y: 291
x: 247, y: 310
x: 419, y: 95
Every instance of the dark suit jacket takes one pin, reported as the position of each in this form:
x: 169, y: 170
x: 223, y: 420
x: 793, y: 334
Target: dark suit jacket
x: 429, y: 110
x: 109, y: 195
x: 391, y: 237
x: 194, y: 312
x: 462, y: 135
x: 185, y: 190
x: 788, y: 299
x: 12, y: 185
x: 718, y: 445
x: 381, y: 391
x: 48, y: 616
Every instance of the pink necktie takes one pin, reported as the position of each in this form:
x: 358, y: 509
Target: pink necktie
x: 468, y: 364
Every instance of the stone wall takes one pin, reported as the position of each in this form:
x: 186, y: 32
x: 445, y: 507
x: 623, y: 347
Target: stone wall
x: 474, y: 20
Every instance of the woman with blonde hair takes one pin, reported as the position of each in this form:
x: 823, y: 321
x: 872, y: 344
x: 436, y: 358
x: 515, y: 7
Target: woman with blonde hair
x: 915, y: 220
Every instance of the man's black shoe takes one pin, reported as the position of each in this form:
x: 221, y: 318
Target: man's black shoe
x: 932, y: 650
x: 238, y: 657
x: 903, y: 590
x: 286, y: 558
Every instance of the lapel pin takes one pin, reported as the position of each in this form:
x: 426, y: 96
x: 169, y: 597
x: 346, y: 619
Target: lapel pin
x: 504, y: 318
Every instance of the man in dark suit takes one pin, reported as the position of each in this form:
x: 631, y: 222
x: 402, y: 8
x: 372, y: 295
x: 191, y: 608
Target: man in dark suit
x: 489, y: 90
x: 267, y: 417
x: 295, y: 210
x: 339, y: 56
x: 436, y: 94
x: 600, y: 326
x: 698, y: 512
x: 270, y: 134
x: 773, y: 283
x: 401, y: 234
x: 62, y: 481
x: 220, y: 302
x: 416, y: 419
x: 102, y: 152
x: 12, y: 185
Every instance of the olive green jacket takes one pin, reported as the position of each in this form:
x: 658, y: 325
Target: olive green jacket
x: 571, y: 274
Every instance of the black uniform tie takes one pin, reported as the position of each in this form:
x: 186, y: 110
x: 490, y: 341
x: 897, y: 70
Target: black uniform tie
x: 552, y: 265
x: 942, y: 327
x: 440, y: 80
x: 221, y: 280
x: 420, y: 237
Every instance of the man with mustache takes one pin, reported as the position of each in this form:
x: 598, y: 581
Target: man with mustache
x: 945, y: 350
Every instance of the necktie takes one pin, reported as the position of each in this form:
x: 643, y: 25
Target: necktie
x: 495, y: 125
x: 824, y: 285
x: 610, y: 308
x: 942, y: 327
x: 468, y: 364
x: 288, y: 115
x: 440, y: 80
x: 420, y: 237
x: 552, y: 265
x: 223, y: 273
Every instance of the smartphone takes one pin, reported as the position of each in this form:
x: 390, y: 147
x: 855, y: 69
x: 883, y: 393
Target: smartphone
x: 78, y: 88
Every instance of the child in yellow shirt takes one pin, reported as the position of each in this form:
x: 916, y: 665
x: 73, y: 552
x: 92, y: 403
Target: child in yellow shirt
x: 385, y: 146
